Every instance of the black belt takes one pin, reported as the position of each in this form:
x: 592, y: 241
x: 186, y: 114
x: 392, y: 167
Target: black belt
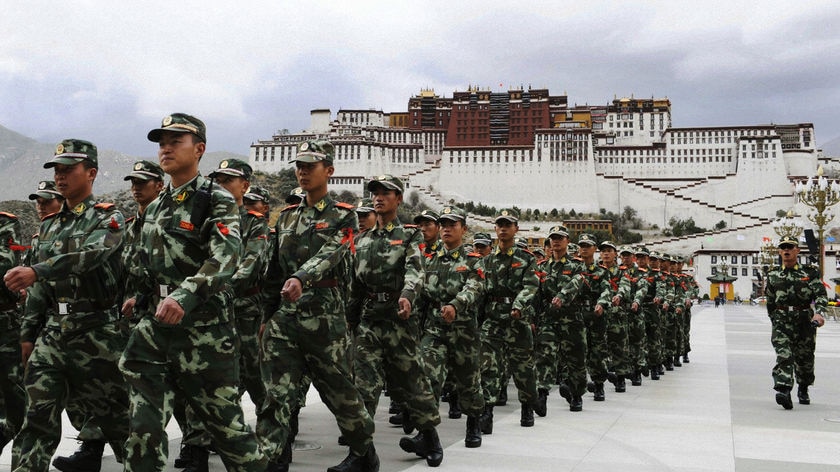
x: 793, y: 307
x: 383, y: 296
x: 81, y: 306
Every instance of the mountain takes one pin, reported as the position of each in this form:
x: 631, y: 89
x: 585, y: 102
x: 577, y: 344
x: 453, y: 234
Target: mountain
x: 22, y: 166
x: 832, y: 148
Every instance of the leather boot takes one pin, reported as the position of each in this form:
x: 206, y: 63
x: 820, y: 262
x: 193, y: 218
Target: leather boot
x: 394, y: 408
x: 685, y: 359
x: 454, y: 406
x: 669, y: 365
x: 502, y: 398
x: 527, y: 418
x: 200, y: 457
x: 802, y: 394
x: 184, y: 456
x: 486, y: 420
x: 434, y: 450
x: 599, y: 392
x: 353, y: 463
x: 576, y: 404
x: 677, y: 362
x: 620, y: 384
x: 87, y: 458
x: 654, y: 373
x: 636, y: 378
x: 417, y: 444
x: 783, y: 398
x: 565, y: 392
x: 473, y: 438
x: 541, y: 407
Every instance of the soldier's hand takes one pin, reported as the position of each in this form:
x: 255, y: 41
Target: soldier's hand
x: 665, y: 306
x: 405, y: 308
x: 515, y: 314
x: 26, y: 351
x: 599, y: 310
x: 657, y: 300
x: 292, y: 290
x: 556, y: 302
x: 819, y: 319
x: 616, y: 300
x: 128, y: 307
x: 635, y: 306
x: 448, y: 313
x: 19, y: 278
x: 169, y: 311
x: 678, y: 310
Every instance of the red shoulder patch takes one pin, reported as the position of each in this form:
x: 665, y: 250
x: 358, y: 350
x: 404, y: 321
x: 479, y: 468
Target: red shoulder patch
x: 256, y: 213
x: 346, y: 206
x: 290, y: 207
x: 7, y: 214
x: 104, y: 206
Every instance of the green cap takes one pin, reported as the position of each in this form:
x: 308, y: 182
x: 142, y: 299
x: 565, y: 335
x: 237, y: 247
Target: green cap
x: 507, y: 214
x: 586, y: 238
x: 233, y: 167
x: 73, y: 151
x: 317, y: 150
x: 642, y: 251
x: 453, y: 213
x: 386, y: 181
x: 654, y: 255
x: 788, y: 240
x: 607, y: 244
x: 257, y: 193
x: 47, y: 190
x: 558, y: 230
x: 626, y: 250
x: 482, y: 238
x: 539, y: 252
x: 522, y: 242
x: 364, y: 205
x: 296, y: 195
x: 572, y: 248
x: 179, y: 123
x: 145, y: 170
x: 429, y: 215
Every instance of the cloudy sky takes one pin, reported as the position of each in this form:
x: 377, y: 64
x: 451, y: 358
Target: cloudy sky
x: 109, y: 71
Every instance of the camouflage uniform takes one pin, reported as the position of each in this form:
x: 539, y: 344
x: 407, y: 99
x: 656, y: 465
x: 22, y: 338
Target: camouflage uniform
x: 618, y: 343
x: 309, y: 336
x: 12, y: 396
x: 669, y: 318
x: 72, y: 311
x: 633, y: 289
x: 190, y: 245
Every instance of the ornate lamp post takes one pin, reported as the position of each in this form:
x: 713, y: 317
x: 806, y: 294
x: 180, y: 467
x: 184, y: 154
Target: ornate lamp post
x: 819, y: 194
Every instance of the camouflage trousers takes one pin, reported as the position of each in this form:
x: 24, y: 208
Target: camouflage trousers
x: 12, y: 395
x: 653, y: 334
x: 618, y: 342
x: 597, y: 353
x: 506, y: 340
x: 636, y: 340
x: 295, y: 345
x: 248, y: 316
x: 81, y: 367
x: 451, y: 353
x: 561, y: 346
x: 200, y: 363
x: 686, y: 331
x: 388, y: 349
x: 794, y: 340
x: 670, y: 333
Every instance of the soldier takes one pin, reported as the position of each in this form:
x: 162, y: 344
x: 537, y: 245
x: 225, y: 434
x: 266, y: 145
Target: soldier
x: 12, y: 396
x: 690, y: 288
x: 632, y: 290
x: 482, y: 244
x: 506, y: 335
x: 561, y: 334
x: 427, y: 221
x: 48, y: 200
x: 654, y: 319
x: 670, y: 311
x: 72, y: 310
x: 791, y: 288
x: 257, y: 199
x: 616, y: 319
x: 305, y: 322
x: 367, y: 217
x: 187, y: 347
x: 296, y: 196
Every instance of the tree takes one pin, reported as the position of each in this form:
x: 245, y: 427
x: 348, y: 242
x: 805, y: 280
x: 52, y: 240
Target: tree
x: 720, y: 225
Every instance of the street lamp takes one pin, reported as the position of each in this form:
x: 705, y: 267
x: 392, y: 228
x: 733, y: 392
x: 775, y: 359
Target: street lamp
x: 819, y: 194
x: 788, y: 226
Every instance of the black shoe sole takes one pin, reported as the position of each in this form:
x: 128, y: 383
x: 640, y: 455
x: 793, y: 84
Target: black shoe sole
x: 784, y: 400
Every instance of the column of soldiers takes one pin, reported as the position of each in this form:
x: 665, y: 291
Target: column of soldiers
x: 183, y: 308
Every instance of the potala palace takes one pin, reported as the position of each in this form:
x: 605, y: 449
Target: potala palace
x: 528, y: 148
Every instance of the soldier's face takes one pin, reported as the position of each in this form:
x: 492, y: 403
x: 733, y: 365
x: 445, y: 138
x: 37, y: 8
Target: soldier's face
x: 74, y: 181
x: 642, y: 261
x: 144, y: 191
x: 385, y: 201
x: 482, y: 249
x: 558, y: 243
x: 313, y: 176
x: 608, y: 255
x: 789, y: 253
x: 506, y: 230
x: 367, y: 220
x: 654, y: 263
x: 258, y: 206
x: 429, y: 229
x: 47, y: 206
x: 586, y: 251
x: 237, y: 186
x: 178, y: 154
x: 452, y: 233
x: 627, y: 259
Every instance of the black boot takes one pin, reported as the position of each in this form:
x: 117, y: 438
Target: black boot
x: 87, y: 458
x: 685, y: 359
x: 783, y: 397
x: 669, y: 365
x: 654, y: 373
x: 486, y: 420
x: 620, y: 384
x: 200, y: 457
x: 565, y: 392
x: 502, y: 399
x: 396, y: 419
x: 434, y: 450
x: 473, y: 438
x: 184, y: 457
x: 802, y: 394
x: 526, y: 420
x: 417, y: 444
x: 599, y: 392
x: 353, y: 463
x: 541, y: 408
x: 677, y: 362
x: 576, y: 404
x: 454, y: 406
x: 394, y: 408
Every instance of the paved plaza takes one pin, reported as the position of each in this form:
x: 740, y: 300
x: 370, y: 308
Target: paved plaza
x: 715, y: 414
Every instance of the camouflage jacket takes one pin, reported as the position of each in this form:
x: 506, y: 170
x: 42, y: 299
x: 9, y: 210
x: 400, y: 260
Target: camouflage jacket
x: 135, y: 276
x: 511, y: 282
x: 10, y: 254
x: 249, y: 274
x: 634, y: 285
x: 388, y: 266
x: 78, y: 269
x: 454, y: 278
x: 313, y: 244
x: 190, y: 245
x: 588, y: 288
x: 664, y: 286
x: 795, y: 289
x: 555, y: 274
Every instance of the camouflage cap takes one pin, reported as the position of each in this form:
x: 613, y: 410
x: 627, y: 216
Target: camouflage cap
x: 522, y: 242
x: 73, y: 151
x: 453, y: 213
x: 482, y: 238
x: 386, y: 181
x: 607, y: 244
x: 316, y: 150
x: 625, y: 250
x: 654, y: 255
x: 572, y: 248
x: 297, y: 195
x: 179, y: 123
x: 257, y: 193
x: 233, y: 167
x: 47, y: 190
x: 642, y: 251
x: 539, y: 252
x: 507, y: 214
x: 586, y: 238
x: 788, y: 240
x: 429, y: 215
x: 145, y: 170
x: 558, y: 230
x: 364, y: 205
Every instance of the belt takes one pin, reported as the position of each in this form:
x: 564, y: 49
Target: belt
x: 80, y: 306
x: 325, y: 283
x: 505, y: 300
x: 383, y: 296
x: 793, y: 307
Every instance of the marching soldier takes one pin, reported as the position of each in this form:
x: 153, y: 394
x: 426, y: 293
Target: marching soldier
x: 12, y: 396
